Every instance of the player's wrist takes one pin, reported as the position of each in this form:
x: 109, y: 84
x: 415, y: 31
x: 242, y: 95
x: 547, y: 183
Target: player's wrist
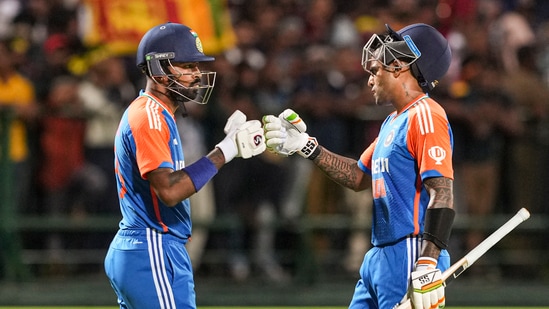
x: 200, y: 172
x: 426, y: 262
x: 228, y: 148
x: 310, y: 150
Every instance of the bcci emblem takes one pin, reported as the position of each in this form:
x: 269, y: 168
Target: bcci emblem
x: 198, y: 42
x: 389, y: 138
x: 438, y: 154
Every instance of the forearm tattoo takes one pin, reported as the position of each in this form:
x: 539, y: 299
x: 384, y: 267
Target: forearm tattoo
x: 441, y: 191
x: 338, y: 168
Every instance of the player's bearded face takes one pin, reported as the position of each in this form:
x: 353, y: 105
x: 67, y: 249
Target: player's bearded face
x: 186, y: 81
x: 190, y: 91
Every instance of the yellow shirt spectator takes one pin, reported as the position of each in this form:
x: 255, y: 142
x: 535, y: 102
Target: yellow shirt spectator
x: 17, y: 92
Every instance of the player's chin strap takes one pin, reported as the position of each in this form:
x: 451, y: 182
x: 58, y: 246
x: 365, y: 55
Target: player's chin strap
x: 438, y: 225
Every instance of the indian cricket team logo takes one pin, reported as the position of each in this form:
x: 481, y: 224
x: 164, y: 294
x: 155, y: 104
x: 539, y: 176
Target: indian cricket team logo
x: 438, y: 154
x: 197, y: 41
x: 389, y: 138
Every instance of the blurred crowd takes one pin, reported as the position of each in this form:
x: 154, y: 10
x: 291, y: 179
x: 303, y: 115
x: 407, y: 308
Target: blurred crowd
x: 299, y: 54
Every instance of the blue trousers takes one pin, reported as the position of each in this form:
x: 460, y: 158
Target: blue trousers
x: 385, y: 273
x: 149, y: 269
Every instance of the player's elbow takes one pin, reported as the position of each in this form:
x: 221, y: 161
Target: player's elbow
x: 359, y: 188
x: 173, y: 195
x: 167, y: 188
x: 362, y: 183
x: 168, y: 198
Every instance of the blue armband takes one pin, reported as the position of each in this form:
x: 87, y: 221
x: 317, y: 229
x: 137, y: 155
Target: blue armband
x: 200, y: 172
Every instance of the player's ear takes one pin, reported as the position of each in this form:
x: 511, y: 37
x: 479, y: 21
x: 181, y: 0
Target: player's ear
x: 399, y: 67
x: 162, y: 80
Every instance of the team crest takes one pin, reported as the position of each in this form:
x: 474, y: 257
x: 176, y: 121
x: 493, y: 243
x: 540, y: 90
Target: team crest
x: 198, y: 42
x: 389, y: 138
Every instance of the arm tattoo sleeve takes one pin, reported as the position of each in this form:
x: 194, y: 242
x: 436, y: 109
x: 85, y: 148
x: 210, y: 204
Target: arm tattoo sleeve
x: 441, y: 191
x: 340, y: 169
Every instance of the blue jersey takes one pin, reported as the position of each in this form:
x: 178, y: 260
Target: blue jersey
x: 412, y: 145
x: 148, y: 139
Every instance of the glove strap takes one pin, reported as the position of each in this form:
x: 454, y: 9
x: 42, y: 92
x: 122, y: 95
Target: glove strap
x: 229, y: 148
x: 310, y: 150
x: 426, y: 262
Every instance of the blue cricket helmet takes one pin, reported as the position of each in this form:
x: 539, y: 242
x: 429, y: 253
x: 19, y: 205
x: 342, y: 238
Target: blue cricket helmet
x: 432, y: 48
x: 171, y: 41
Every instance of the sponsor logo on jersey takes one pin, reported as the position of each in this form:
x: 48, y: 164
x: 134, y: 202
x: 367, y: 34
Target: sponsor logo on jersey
x: 179, y: 164
x: 380, y: 165
x: 438, y: 154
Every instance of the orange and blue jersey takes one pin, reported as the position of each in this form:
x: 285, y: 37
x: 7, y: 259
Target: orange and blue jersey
x: 412, y: 145
x: 148, y: 139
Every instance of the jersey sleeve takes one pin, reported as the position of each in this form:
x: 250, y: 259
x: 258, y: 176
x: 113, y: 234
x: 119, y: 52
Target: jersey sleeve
x: 151, y: 136
x: 429, y: 140
x: 365, y: 161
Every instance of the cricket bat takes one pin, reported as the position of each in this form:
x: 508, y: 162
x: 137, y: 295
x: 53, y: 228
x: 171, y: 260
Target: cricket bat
x: 465, y: 262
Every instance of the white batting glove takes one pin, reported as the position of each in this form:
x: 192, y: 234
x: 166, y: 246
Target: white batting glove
x: 250, y: 140
x: 427, y: 288
x: 244, y: 138
x: 228, y: 144
x: 275, y: 133
x: 286, y: 135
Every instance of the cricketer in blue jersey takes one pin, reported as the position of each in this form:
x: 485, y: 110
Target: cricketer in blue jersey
x: 408, y: 166
x: 147, y: 263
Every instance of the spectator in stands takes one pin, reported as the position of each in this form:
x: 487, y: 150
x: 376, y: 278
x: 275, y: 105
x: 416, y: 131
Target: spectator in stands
x: 272, y: 38
x: 19, y: 109
x: 246, y: 196
x: 104, y: 92
x: 18, y: 98
x: 483, y: 118
x: 67, y: 182
x: 530, y: 93
x: 245, y: 193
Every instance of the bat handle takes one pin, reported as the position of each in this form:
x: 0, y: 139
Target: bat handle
x: 524, y: 214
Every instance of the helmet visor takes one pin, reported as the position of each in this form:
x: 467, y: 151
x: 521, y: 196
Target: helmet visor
x: 386, y: 50
x: 199, y: 91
